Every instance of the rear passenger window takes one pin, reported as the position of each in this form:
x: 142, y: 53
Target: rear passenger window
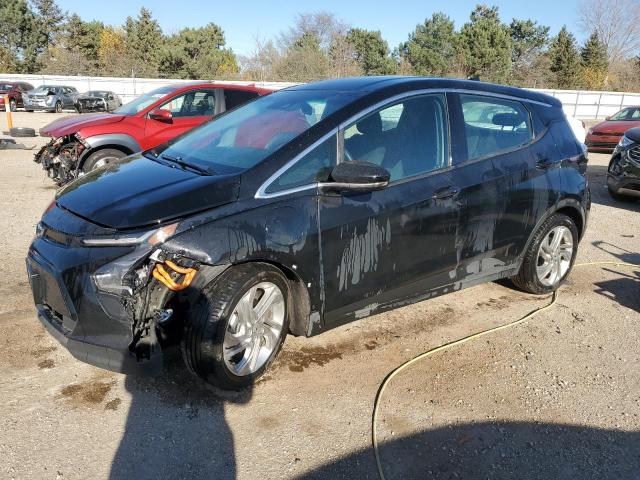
x: 234, y: 98
x: 493, y: 124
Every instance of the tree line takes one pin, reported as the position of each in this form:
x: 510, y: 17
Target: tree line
x: 36, y: 36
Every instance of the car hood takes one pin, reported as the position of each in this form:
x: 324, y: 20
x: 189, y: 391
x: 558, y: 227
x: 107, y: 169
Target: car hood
x: 616, y: 127
x: 137, y: 192
x: 73, y: 123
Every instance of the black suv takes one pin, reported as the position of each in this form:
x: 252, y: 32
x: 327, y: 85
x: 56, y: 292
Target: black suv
x: 305, y: 209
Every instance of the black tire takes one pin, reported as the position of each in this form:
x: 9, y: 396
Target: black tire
x: 58, y: 108
x: 621, y: 198
x: 105, y: 155
x: 22, y: 132
x: 202, y: 343
x: 527, y: 278
x: 78, y: 108
x: 13, y: 105
x: 30, y: 111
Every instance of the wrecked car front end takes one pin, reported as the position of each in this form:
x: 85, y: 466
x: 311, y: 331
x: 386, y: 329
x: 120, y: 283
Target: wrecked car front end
x: 623, y: 174
x: 91, y: 104
x: 95, y: 291
x: 59, y: 158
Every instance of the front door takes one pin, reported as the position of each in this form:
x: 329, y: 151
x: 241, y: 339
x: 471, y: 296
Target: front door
x: 189, y: 110
x: 382, y: 247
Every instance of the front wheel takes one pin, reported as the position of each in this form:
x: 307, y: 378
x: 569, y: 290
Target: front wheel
x: 549, y: 257
x: 13, y: 106
x: 101, y: 158
x: 237, y: 326
x: 58, y: 107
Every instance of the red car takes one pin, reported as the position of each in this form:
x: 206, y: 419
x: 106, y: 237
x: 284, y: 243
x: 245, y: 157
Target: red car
x: 14, y: 90
x: 83, y: 142
x: 605, y: 136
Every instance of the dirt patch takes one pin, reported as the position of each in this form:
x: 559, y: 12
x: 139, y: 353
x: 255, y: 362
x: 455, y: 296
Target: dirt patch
x: 300, y: 359
x: 47, y: 363
x: 41, y: 352
x: 88, y: 393
x: 113, y: 404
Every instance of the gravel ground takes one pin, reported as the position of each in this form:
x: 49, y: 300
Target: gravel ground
x: 558, y: 397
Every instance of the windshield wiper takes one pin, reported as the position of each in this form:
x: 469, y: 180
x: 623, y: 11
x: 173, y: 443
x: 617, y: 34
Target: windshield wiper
x: 182, y: 163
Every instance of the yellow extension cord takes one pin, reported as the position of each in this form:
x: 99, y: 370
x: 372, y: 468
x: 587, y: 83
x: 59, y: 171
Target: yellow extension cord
x: 408, y: 363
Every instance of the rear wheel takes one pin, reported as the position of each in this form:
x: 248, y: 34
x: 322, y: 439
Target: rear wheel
x: 549, y: 257
x: 101, y: 158
x: 237, y: 326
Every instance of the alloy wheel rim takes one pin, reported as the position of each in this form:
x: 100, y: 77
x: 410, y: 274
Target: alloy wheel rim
x: 554, y: 256
x: 254, y: 329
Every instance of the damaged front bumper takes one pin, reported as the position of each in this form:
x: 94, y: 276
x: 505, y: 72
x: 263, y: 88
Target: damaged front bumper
x: 103, y: 301
x: 60, y: 158
x: 623, y: 175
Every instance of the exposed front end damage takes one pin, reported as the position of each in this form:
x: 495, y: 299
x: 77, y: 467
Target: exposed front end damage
x: 113, y: 304
x: 60, y: 158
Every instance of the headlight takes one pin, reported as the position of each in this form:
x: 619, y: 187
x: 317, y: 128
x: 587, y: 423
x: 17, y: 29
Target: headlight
x: 152, y: 237
x: 624, y: 142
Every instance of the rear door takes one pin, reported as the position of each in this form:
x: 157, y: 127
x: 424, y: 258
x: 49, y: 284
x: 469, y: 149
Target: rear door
x: 500, y: 130
x: 188, y: 109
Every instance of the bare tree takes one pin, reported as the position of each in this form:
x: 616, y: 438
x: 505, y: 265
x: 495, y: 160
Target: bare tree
x: 324, y: 26
x: 617, y: 23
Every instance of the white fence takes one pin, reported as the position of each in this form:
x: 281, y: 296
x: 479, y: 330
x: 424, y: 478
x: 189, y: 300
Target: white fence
x: 127, y: 87
x: 592, y: 104
x: 578, y: 103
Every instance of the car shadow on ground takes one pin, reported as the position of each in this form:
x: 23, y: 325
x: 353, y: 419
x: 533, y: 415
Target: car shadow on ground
x: 625, y: 289
x: 498, y: 450
x: 176, y: 427
x: 597, y: 175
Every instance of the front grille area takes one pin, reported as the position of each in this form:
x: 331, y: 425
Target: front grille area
x: 634, y: 153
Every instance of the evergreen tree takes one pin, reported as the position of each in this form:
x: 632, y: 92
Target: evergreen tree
x: 432, y: 46
x: 595, y: 63
x: 144, y: 42
x: 486, y: 45
x: 564, y: 60
x: 198, y: 53
x: 371, y: 52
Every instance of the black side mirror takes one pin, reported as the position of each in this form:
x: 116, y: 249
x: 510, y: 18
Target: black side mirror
x: 356, y: 176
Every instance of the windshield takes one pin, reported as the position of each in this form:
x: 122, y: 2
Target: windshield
x: 627, y: 114
x: 143, y: 101
x: 5, y: 87
x: 247, y: 135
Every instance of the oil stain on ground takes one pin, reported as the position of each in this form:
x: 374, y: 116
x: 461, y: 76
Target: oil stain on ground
x: 46, y: 363
x: 88, y: 393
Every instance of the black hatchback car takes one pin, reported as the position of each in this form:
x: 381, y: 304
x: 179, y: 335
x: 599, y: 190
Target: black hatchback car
x: 305, y: 209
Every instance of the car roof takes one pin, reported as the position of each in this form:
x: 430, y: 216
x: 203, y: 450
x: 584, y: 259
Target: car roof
x: 378, y: 83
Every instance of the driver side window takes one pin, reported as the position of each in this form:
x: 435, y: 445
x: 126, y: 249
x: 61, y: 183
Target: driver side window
x: 314, y: 166
x: 192, y: 104
x: 407, y: 138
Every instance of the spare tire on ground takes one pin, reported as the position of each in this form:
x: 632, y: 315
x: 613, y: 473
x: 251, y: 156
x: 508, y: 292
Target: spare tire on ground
x: 22, y: 132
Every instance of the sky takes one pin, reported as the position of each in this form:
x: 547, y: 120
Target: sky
x: 244, y: 20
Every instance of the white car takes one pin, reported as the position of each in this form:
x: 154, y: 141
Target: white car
x: 578, y: 127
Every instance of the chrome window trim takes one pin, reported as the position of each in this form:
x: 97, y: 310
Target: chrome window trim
x: 261, y: 193
x: 340, y: 128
